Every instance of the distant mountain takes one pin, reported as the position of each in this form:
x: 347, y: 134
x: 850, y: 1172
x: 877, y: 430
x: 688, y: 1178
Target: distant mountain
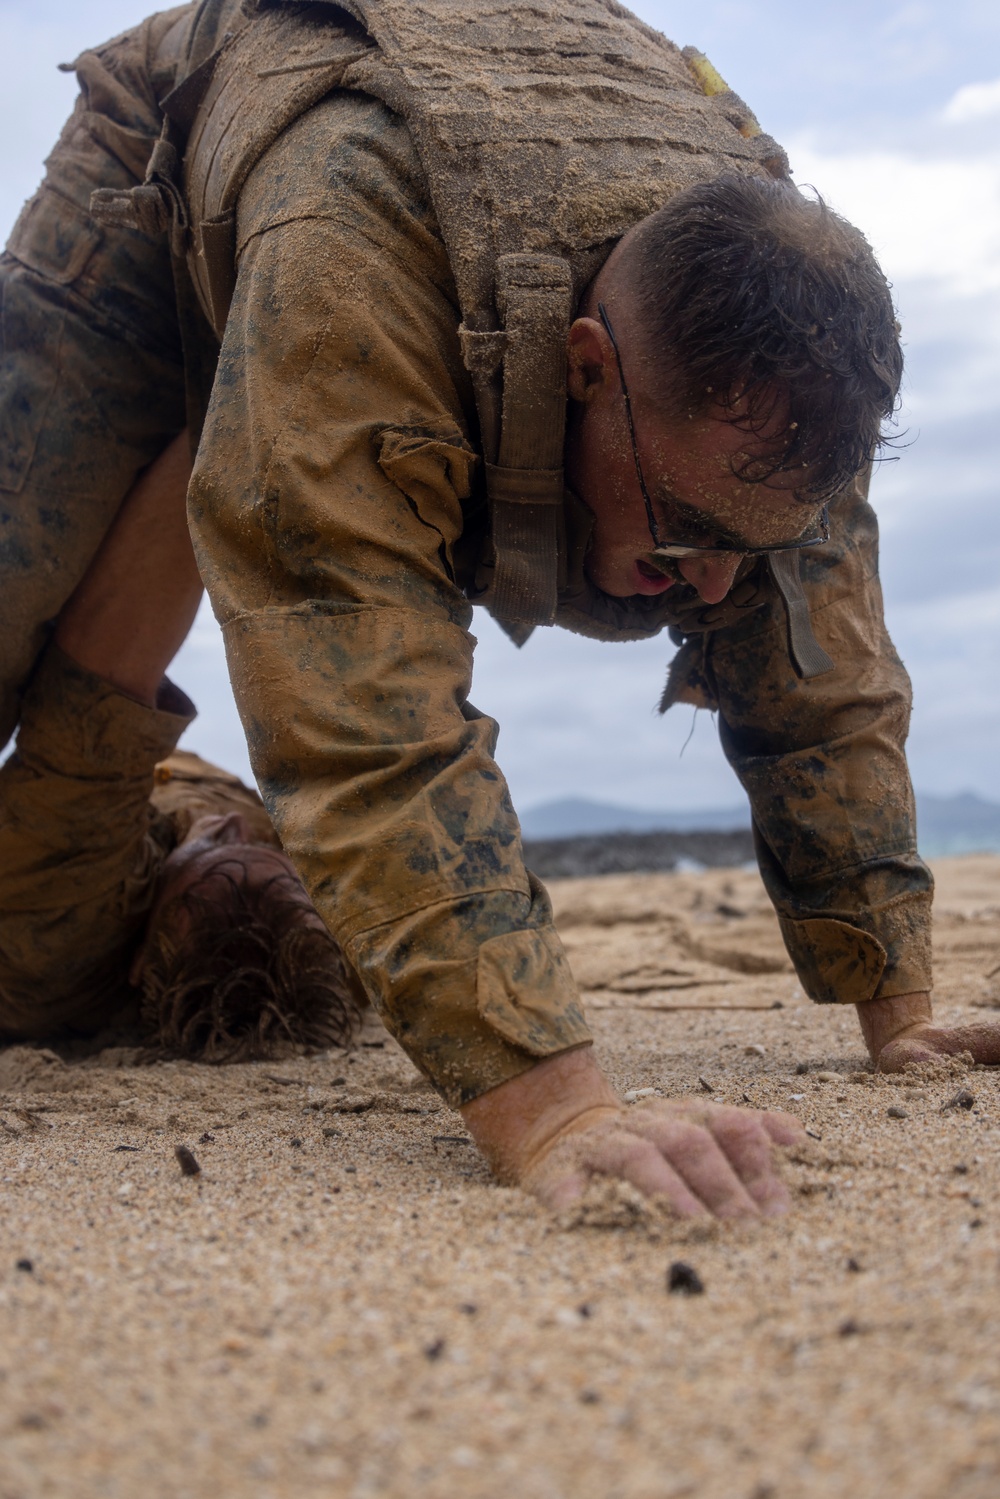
x: 960, y: 824
x: 574, y: 816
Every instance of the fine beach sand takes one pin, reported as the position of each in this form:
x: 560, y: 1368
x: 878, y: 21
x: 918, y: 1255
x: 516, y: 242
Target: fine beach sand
x: 341, y: 1304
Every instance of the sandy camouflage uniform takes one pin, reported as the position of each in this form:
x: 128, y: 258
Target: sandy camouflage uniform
x: 94, y: 801
x: 362, y: 211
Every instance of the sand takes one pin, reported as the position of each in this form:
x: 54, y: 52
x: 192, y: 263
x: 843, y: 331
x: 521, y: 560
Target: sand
x: 341, y: 1303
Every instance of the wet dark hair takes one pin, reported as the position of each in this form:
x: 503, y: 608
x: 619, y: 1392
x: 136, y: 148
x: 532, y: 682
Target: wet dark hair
x: 248, y: 979
x: 755, y: 293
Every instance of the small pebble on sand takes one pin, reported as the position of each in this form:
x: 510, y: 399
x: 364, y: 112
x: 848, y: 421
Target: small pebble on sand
x: 684, y: 1280
x: 895, y: 1113
x: 187, y: 1160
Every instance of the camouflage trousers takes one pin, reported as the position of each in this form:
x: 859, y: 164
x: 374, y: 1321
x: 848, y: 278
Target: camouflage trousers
x: 81, y: 847
x: 92, y: 385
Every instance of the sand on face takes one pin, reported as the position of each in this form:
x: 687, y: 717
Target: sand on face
x: 340, y: 1303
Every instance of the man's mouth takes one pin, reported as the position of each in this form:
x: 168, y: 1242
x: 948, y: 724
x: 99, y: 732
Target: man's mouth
x: 651, y: 579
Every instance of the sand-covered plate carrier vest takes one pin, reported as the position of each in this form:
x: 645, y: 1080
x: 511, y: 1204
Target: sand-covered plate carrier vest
x: 545, y: 132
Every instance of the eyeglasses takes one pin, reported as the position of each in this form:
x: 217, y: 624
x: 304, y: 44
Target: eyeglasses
x: 674, y: 550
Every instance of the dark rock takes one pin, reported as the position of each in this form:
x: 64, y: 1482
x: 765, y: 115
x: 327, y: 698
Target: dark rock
x: 635, y: 853
x: 684, y: 1280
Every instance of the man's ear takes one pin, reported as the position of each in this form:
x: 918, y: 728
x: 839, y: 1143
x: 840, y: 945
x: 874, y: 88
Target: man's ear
x: 590, y: 359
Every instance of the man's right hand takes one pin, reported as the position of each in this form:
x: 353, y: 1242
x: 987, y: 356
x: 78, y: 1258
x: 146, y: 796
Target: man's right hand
x: 556, y: 1127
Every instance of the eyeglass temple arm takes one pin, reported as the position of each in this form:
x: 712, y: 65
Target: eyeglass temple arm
x: 650, y: 517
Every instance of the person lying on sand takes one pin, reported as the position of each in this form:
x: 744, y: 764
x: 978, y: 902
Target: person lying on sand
x: 513, y: 306
x: 128, y: 868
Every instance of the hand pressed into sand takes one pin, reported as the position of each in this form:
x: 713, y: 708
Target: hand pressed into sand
x: 901, y: 1030
x: 556, y: 1127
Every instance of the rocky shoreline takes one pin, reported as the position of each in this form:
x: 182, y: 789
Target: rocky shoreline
x: 637, y: 853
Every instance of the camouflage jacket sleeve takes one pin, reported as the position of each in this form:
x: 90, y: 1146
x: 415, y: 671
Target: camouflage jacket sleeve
x: 328, y: 506
x: 823, y: 764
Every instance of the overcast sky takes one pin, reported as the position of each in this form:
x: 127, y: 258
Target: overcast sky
x: 893, y: 112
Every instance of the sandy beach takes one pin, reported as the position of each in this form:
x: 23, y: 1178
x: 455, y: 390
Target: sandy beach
x: 340, y: 1303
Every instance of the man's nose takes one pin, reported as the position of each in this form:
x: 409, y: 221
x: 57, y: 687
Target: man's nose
x: 712, y: 577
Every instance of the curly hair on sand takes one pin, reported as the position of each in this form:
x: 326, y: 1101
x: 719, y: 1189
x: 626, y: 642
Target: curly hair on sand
x: 247, y: 979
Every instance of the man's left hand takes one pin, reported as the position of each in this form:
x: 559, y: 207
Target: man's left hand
x: 901, y: 1030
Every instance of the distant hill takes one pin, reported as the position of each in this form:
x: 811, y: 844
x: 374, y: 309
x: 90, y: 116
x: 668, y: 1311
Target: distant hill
x: 965, y: 823
x: 574, y: 817
x: 961, y: 824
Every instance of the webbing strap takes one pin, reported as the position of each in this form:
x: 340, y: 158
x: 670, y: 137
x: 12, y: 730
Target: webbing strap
x: 808, y: 656
x: 534, y: 296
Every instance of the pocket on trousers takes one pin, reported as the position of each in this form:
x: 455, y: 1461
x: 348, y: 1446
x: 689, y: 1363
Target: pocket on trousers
x: 54, y: 237
x: 31, y: 330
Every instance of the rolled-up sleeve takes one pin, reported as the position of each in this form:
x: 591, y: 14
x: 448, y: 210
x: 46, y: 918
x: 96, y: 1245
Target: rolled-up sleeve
x: 328, y: 506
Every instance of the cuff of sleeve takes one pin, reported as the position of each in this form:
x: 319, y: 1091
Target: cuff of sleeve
x: 472, y: 1004
x: 839, y: 962
x: 75, y: 723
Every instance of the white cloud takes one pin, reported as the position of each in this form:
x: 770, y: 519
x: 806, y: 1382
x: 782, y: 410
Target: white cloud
x: 934, y: 218
x: 952, y: 650
x: 975, y: 101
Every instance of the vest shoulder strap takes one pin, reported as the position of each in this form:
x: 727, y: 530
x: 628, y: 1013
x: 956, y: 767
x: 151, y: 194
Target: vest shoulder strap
x: 283, y: 63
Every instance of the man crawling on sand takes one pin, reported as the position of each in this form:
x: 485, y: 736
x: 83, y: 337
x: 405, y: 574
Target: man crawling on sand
x: 508, y: 305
